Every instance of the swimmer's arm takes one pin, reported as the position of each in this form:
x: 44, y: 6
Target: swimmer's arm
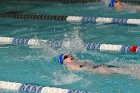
x: 132, y: 7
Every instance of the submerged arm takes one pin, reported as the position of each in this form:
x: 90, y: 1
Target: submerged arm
x: 137, y: 8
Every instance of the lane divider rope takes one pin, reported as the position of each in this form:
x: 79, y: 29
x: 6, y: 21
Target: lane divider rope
x: 71, y: 19
x: 58, y: 44
x: 79, y: 1
x: 30, y: 88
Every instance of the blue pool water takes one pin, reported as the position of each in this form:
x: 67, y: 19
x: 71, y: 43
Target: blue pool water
x: 39, y: 66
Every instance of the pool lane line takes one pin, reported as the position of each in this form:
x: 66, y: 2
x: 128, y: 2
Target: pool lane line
x: 78, y: 1
x: 32, y: 16
x: 36, y: 43
x: 30, y: 88
x: 61, y: 1
x: 71, y: 19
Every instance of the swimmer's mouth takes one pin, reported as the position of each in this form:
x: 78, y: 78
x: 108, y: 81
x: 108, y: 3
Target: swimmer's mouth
x: 72, y: 58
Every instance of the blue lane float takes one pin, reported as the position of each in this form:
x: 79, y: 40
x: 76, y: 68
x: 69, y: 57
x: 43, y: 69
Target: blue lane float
x: 58, y: 44
x: 71, y: 19
x: 19, y: 87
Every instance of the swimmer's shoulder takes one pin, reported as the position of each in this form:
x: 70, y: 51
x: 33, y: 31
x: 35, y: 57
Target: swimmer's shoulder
x: 73, y: 66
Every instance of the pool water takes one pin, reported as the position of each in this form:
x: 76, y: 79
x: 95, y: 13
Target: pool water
x: 39, y: 66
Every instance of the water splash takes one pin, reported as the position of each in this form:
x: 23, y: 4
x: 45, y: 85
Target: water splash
x: 26, y: 58
x: 73, y: 42
x: 48, y: 52
x: 133, y: 70
x: 92, y: 6
x: 61, y: 79
x: 106, y: 2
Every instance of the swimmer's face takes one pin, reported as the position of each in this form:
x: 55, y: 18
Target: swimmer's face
x: 68, y: 58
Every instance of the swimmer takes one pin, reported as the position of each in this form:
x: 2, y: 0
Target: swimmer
x: 70, y: 63
x: 117, y: 5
